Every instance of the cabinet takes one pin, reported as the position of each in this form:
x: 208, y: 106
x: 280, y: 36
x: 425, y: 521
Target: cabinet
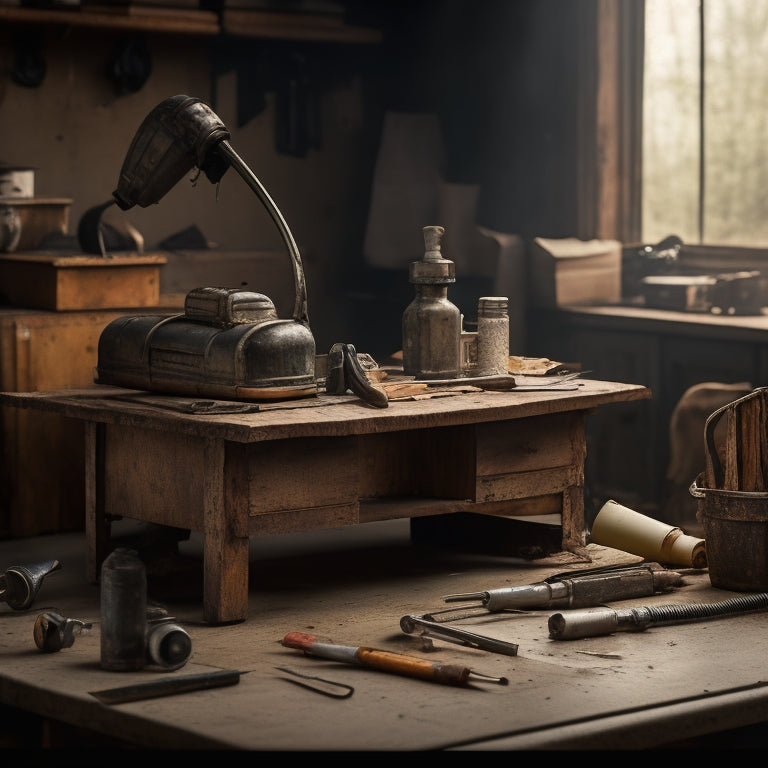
x: 42, y: 475
x: 668, y: 352
x: 42, y: 480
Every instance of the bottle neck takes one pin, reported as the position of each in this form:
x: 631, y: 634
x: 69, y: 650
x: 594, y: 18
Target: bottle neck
x: 431, y: 291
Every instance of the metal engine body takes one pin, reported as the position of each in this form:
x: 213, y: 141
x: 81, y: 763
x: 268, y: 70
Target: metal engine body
x: 229, y: 344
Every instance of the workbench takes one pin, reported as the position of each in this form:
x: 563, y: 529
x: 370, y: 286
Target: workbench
x: 685, y: 685
x: 323, y: 462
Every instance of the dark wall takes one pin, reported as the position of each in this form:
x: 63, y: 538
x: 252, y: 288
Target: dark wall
x: 502, y: 76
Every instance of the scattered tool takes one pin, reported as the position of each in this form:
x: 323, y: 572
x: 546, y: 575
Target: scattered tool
x: 346, y: 371
x: 386, y: 661
x: 52, y: 631
x: 431, y: 628
x: 499, y: 382
x: 318, y: 684
x: 605, y: 621
x: 20, y: 584
x: 579, y: 589
x: 168, y: 686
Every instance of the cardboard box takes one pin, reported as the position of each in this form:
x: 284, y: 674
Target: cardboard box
x: 571, y: 271
x: 59, y: 282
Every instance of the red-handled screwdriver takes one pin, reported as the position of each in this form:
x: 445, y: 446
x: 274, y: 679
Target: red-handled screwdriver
x: 387, y: 661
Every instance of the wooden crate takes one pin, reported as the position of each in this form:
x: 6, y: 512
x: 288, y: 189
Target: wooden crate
x: 42, y: 475
x: 48, y: 280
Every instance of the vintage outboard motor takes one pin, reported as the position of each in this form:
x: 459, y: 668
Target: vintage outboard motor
x: 229, y: 343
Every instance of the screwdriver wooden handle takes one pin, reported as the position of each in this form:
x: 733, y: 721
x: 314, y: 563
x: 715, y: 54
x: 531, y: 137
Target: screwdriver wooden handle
x: 400, y: 664
x: 386, y: 661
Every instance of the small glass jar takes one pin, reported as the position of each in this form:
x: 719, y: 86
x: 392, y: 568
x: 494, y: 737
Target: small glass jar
x: 492, y: 336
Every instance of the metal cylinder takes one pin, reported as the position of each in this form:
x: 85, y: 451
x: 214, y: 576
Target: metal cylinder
x: 492, y: 336
x: 168, y: 645
x: 123, y: 611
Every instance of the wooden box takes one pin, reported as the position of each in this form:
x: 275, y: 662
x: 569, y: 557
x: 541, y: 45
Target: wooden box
x: 570, y: 271
x: 42, y: 472
x: 54, y: 281
x: 39, y: 217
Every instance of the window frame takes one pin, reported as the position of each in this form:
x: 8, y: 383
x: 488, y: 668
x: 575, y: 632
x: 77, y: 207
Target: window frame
x: 610, y: 119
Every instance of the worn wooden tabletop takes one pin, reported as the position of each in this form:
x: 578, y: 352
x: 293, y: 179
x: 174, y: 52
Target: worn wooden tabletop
x: 351, y: 586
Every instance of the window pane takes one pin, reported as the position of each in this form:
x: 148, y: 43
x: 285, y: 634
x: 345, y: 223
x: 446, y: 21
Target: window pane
x: 736, y: 122
x: 671, y: 120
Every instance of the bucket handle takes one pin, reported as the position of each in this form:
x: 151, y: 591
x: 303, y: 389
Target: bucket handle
x: 695, y: 491
x: 715, y: 464
x: 701, y: 492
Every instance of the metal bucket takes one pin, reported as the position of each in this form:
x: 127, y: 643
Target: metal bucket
x: 736, y: 535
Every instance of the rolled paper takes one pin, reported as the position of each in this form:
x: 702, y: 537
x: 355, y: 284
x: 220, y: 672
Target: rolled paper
x: 622, y: 528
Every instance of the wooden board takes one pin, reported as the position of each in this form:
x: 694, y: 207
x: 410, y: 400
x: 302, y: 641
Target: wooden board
x: 629, y: 690
x: 53, y: 281
x: 42, y: 474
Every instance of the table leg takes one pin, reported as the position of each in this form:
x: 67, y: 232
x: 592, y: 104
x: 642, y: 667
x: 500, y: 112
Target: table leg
x: 97, y: 524
x: 226, y: 543
x: 572, y: 518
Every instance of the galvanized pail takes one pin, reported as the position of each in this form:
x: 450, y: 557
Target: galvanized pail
x: 736, y: 535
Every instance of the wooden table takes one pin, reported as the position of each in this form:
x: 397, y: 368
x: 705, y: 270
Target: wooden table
x: 324, y: 462
x: 665, y: 687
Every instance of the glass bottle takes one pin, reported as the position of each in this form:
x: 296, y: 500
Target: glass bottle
x: 492, y: 336
x: 431, y: 323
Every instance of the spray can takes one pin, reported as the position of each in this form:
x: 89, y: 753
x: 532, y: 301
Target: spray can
x: 123, y: 611
x: 492, y: 336
x: 431, y: 323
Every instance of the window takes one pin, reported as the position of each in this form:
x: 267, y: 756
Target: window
x: 705, y: 122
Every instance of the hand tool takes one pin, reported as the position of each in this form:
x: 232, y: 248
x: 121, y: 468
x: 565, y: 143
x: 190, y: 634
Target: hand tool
x: 346, y: 371
x: 20, y: 584
x: 386, y: 661
x: 496, y: 383
x: 579, y: 589
x: 319, y: 685
x: 606, y: 621
x: 168, y: 686
x: 52, y: 631
x: 410, y: 623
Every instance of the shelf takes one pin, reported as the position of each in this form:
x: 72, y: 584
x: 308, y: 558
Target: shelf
x: 294, y: 26
x: 186, y: 22
x: 234, y: 22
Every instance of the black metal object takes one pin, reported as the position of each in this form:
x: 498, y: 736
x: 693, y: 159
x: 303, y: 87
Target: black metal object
x: 20, y: 584
x: 123, y: 602
x: 168, y: 686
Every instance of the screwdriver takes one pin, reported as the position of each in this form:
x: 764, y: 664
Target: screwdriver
x: 387, y: 661
x: 578, y: 590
